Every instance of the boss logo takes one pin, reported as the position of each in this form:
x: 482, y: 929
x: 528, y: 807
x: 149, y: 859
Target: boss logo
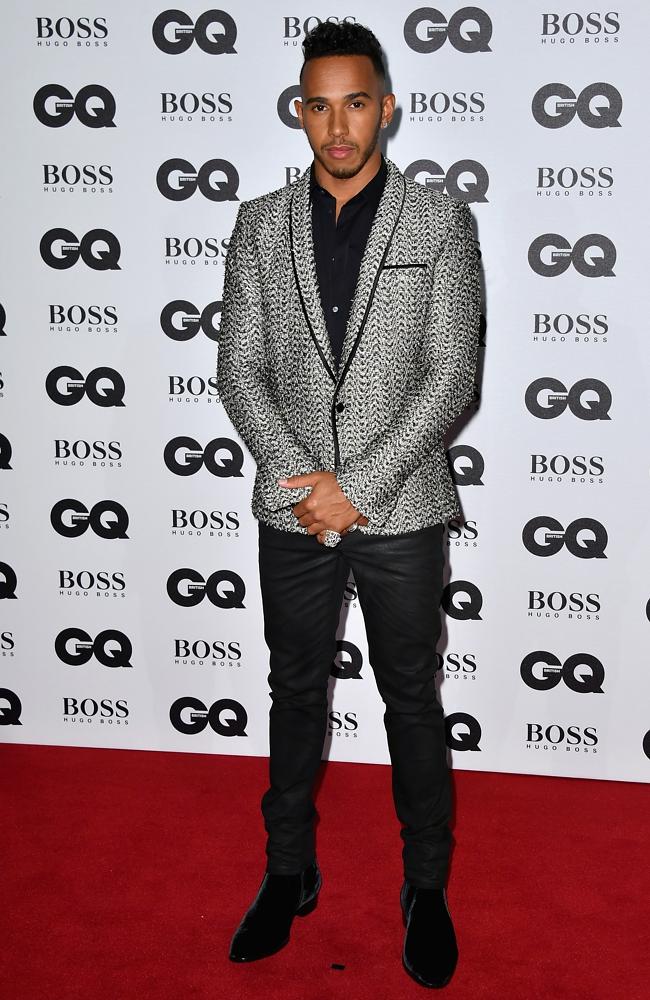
x: 93, y: 106
x: 66, y: 386
x: 545, y: 467
x: 214, y: 31
x: 222, y: 457
x: 189, y: 104
x: 550, y: 255
x: 187, y: 180
x: 548, y: 397
x: 573, y: 24
x: 597, y: 106
x: 582, y: 672
x: 551, y: 737
x: 295, y: 26
x: 466, y: 180
x: 110, y: 647
x: 468, y: 30
x: 86, y: 710
x: 195, y: 522
x: 565, y: 324
x: 441, y: 103
x: 556, y: 602
x: 343, y: 724
x: 200, y: 650
x: 187, y: 587
x: 70, y: 175
x: 568, y: 178
x: 584, y: 538
x: 66, y: 28
x: 80, y: 451
x: 225, y: 717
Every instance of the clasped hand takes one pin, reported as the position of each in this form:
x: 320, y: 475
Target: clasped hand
x: 326, y: 506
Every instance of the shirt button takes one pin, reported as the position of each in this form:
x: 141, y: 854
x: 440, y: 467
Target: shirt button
x: 335, y: 309
x: 340, y: 406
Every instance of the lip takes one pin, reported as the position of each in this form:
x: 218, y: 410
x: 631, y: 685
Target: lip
x: 340, y: 151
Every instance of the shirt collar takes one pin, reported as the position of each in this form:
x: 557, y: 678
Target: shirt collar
x: 372, y: 190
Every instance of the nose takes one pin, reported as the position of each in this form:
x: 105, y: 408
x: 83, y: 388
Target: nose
x: 338, y: 126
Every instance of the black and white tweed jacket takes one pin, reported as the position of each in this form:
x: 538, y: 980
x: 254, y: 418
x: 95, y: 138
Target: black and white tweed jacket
x: 407, y: 368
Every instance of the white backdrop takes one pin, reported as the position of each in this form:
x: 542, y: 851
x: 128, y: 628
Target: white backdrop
x: 130, y: 613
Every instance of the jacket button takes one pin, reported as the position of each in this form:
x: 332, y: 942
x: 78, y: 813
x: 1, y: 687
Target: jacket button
x: 340, y: 406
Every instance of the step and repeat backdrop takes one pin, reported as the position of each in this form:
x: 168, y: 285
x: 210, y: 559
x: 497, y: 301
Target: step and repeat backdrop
x: 130, y: 613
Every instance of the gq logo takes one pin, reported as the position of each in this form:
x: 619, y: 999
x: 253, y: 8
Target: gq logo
x: 188, y: 179
x: 69, y: 249
x: 181, y: 320
x: 560, y: 398
x: 349, y: 665
x: 187, y: 588
x: 6, y: 451
x: 545, y: 536
x: 55, y: 106
x: 438, y: 30
x: 552, y: 671
x: 462, y: 601
x: 174, y: 31
x: 83, y: 647
x: 71, y: 518
x: 75, y: 386
x: 466, y: 464
x: 8, y: 582
x: 604, y: 113
x: 184, y: 456
x: 285, y: 114
x: 471, y: 188
x: 10, y: 712
x: 562, y: 255
x: 463, y: 732
x: 190, y: 716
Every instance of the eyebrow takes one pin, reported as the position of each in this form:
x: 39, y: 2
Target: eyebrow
x: 346, y: 97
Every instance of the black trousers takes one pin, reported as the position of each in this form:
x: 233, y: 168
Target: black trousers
x: 399, y: 584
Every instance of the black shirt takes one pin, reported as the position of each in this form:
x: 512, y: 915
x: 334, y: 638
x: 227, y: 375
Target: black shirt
x: 339, y: 247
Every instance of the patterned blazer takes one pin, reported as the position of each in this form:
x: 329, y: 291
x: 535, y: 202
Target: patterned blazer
x: 407, y: 367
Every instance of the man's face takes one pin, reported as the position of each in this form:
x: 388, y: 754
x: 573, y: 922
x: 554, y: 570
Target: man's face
x: 341, y: 111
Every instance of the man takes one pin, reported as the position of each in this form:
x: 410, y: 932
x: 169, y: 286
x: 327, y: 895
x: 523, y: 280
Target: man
x: 348, y: 346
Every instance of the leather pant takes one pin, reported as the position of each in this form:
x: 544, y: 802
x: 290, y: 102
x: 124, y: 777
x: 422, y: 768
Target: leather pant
x: 399, y: 585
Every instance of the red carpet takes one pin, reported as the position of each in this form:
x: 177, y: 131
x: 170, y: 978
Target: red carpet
x: 124, y: 874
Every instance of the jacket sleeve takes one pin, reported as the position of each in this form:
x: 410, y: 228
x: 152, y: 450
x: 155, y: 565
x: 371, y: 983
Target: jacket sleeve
x: 439, y: 391
x: 242, y: 375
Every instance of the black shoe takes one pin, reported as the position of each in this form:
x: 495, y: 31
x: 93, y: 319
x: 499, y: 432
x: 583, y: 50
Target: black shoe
x: 265, y: 926
x: 430, y: 952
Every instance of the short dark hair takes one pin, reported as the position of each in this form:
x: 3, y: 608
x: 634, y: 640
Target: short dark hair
x: 344, y: 38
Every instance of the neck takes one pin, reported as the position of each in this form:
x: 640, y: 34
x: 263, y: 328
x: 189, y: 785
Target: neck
x: 344, y: 188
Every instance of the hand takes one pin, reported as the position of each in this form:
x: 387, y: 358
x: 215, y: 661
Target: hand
x: 325, y: 507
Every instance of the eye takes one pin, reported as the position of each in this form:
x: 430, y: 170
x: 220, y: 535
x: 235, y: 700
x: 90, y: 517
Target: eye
x: 359, y: 103
x: 315, y: 106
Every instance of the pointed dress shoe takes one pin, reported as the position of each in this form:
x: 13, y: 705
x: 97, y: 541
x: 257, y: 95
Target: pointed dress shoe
x: 265, y: 926
x: 430, y: 952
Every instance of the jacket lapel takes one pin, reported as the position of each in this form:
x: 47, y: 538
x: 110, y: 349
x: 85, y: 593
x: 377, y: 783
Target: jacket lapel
x: 381, y: 232
x: 302, y: 251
